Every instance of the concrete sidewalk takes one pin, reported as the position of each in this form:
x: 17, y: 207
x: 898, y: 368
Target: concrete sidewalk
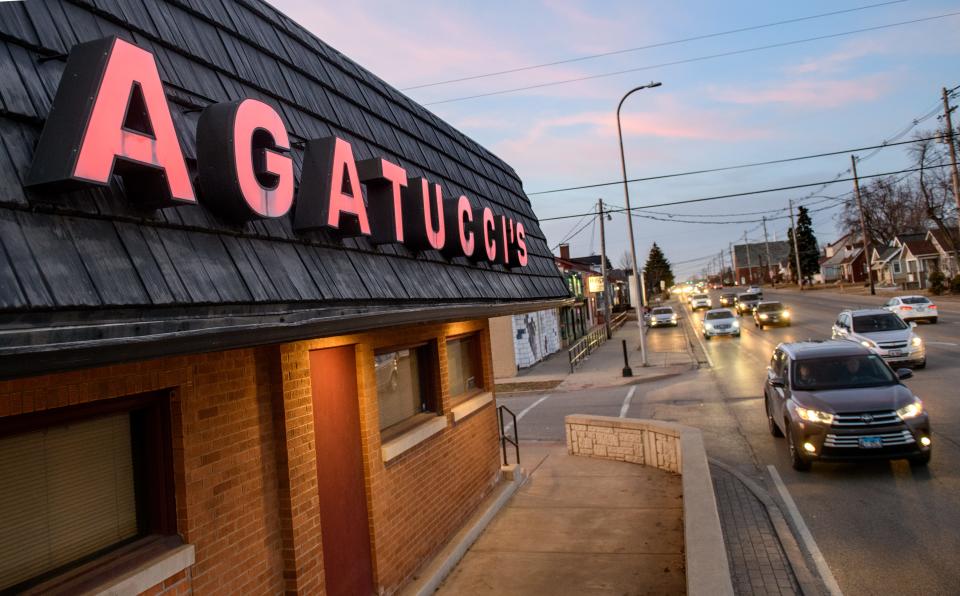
x: 667, y: 355
x: 580, y: 526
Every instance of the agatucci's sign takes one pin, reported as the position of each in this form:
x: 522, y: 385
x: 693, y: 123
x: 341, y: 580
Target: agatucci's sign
x: 110, y: 116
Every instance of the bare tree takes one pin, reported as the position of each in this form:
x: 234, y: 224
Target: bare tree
x: 935, y: 190
x: 891, y: 207
x: 626, y: 260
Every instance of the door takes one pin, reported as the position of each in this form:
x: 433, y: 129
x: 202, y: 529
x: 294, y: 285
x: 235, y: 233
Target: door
x: 343, y: 501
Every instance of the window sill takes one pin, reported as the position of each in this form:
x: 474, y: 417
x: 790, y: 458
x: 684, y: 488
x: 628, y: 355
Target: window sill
x: 130, y: 570
x: 471, y: 405
x: 408, y: 440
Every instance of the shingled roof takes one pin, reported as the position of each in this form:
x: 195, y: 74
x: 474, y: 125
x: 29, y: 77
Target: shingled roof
x: 89, y: 269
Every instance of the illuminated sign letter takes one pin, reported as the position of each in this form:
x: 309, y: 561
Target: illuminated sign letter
x: 243, y: 173
x: 384, y: 181
x: 522, y: 257
x: 424, y: 206
x: 330, y: 195
x: 458, y: 214
x: 489, y: 229
x: 109, y: 116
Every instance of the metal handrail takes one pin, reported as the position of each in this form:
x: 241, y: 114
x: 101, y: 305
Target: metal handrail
x: 578, y: 352
x: 504, y: 439
x: 618, y: 321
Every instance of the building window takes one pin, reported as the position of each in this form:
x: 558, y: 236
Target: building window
x: 405, y: 385
x: 80, y: 482
x: 896, y: 267
x: 464, y: 365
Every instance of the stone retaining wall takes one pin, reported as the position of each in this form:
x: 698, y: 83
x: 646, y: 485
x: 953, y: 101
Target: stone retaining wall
x: 647, y: 443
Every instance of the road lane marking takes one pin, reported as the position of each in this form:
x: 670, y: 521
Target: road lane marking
x: 941, y: 343
x: 626, y: 402
x: 524, y: 411
x: 703, y: 346
x: 822, y: 568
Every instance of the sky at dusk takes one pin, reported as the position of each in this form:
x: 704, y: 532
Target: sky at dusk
x: 804, y: 98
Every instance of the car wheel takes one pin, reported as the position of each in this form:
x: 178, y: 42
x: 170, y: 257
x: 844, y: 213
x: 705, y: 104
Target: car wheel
x: 706, y: 337
x: 797, y: 460
x: 788, y: 324
x: 737, y: 334
x: 921, y: 460
x: 923, y: 364
x: 771, y: 424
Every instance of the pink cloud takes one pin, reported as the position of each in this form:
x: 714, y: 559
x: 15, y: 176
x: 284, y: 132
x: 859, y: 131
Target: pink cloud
x: 839, y: 60
x: 807, y: 93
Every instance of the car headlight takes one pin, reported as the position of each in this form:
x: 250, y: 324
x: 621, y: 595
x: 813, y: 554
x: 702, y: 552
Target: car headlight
x: 785, y: 314
x: 736, y: 324
x: 916, y: 341
x: 910, y: 410
x: 708, y: 326
x: 673, y: 317
x: 815, y: 415
x: 764, y: 316
x: 867, y: 343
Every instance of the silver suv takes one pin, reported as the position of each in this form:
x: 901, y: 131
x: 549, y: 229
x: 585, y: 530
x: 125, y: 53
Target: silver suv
x: 885, y: 334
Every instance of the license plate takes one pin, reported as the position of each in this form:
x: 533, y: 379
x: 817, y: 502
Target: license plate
x: 871, y: 442
x: 895, y: 353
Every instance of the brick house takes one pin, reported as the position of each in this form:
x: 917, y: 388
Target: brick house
x: 208, y: 384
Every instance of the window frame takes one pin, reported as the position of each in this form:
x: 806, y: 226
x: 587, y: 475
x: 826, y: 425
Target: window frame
x: 153, y: 465
x: 476, y: 356
x: 429, y: 386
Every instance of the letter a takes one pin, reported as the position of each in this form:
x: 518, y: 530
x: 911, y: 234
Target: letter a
x: 110, y: 115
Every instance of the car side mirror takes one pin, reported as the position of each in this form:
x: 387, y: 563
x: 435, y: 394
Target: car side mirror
x: 904, y: 373
x: 777, y: 382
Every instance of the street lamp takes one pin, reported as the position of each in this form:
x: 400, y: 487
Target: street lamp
x: 633, y: 247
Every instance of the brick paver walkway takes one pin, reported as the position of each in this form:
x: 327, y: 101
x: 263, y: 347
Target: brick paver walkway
x: 757, y: 561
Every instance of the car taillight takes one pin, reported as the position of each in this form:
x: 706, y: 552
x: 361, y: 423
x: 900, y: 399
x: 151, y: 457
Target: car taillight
x: 906, y: 308
x: 932, y: 306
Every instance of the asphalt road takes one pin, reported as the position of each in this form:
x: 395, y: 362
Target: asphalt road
x: 883, y: 527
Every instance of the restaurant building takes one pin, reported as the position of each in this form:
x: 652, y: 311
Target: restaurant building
x: 244, y: 293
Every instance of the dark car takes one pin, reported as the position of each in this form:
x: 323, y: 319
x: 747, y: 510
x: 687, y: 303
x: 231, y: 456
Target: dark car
x: 747, y: 301
x: 729, y: 299
x: 771, y: 313
x: 837, y: 400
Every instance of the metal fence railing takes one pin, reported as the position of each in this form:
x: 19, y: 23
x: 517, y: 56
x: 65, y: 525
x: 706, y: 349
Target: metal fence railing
x: 618, y: 321
x: 585, y: 346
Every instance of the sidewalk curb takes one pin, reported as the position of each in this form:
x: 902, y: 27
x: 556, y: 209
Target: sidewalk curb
x: 649, y: 379
x: 810, y: 583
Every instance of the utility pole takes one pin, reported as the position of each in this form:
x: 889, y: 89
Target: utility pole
x: 796, y: 251
x: 746, y: 246
x: 863, y: 224
x: 733, y: 265
x: 766, y: 243
x: 722, y: 270
x: 603, y: 271
x: 953, y: 160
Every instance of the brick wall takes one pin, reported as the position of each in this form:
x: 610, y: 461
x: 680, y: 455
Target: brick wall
x: 178, y: 583
x: 245, y: 460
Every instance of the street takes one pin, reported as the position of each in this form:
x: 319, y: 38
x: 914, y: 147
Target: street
x: 883, y: 527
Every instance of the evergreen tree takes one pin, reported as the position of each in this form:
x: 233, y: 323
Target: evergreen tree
x: 806, y: 244
x: 656, y: 270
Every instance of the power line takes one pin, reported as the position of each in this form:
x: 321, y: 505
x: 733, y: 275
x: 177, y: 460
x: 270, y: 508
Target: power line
x: 646, y: 47
x: 696, y: 59
x: 734, y: 167
x: 738, y: 194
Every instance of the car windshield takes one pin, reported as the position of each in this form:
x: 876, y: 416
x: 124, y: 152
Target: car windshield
x: 915, y: 300
x: 878, y: 322
x: 846, y: 372
x: 718, y: 314
x: 745, y: 297
x: 663, y: 311
x: 728, y: 296
x: 770, y: 307
x: 700, y: 296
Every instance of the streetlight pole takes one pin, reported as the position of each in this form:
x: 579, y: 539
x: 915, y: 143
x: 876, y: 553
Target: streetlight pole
x: 863, y: 225
x: 641, y: 286
x: 603, y: 270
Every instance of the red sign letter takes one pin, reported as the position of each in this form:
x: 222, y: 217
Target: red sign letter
x: 420, y: 214
x: 330, y: 195
x: 522, y: 257
x: 489, y: 226
x: 110, y: 110
x: 384, y: 181
x: 242, y: 174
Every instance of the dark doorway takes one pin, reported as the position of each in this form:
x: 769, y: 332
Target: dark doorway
x: 343, y: 501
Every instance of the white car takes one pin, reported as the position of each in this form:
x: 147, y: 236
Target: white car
x: 662, y: 316
x: 884, y: 334
x: 700, y: 301
x: 913, y: 308
x: 720, y: 321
